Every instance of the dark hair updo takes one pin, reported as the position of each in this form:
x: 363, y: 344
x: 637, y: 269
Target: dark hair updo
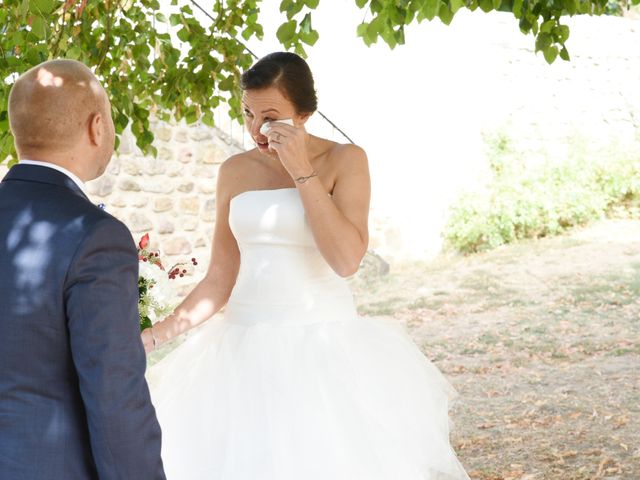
x: 289, y: 73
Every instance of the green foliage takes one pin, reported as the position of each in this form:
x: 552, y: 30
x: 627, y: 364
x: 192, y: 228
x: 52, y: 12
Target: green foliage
x: 186, y: 74
x: 144, y: 303
x: 533, y: 202
x: 542, y: 19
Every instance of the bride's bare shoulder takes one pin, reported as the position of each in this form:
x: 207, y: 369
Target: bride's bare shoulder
x: 235, y: 171
x: 347, y: 157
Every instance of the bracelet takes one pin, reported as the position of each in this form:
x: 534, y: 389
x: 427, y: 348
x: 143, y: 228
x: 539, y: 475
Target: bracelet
x: 304, y: 179
x: 153, y: 338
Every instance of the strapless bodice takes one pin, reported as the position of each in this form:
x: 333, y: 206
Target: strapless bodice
x: 283, y: 277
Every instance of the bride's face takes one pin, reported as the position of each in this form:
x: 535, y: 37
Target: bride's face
x: 266, y: 105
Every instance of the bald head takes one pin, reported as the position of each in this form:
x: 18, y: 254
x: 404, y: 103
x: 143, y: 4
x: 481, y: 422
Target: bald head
x: 52, y: 105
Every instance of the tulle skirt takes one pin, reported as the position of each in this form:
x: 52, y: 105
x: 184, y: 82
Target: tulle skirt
x: 335, y: 400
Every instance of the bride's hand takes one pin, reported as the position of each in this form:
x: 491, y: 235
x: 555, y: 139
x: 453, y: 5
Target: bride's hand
x: 290, y: 143
x: 147, y: 340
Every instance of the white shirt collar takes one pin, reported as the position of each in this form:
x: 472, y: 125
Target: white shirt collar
x: 69, y: 174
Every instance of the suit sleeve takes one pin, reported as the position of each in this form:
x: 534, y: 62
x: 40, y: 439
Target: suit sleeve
x: 101, y: 294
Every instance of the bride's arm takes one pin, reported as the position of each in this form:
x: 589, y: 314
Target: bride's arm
x: 213, y: 291
x: 340, y: 223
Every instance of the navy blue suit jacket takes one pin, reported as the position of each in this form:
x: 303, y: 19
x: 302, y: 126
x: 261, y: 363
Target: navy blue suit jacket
x: 74, y: 403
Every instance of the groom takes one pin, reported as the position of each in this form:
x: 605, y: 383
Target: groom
x: 74, y: 403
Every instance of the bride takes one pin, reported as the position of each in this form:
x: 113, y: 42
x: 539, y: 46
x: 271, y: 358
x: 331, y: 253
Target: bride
x: 292, y: 384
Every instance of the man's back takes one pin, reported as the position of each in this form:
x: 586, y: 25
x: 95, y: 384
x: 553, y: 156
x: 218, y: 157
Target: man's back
x: 72, y: 394
x: 40, y: 408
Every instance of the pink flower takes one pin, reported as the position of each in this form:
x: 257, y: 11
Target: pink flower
x: 144, y: 241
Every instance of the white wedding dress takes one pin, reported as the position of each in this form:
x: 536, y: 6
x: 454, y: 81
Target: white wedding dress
x: 292, y: 384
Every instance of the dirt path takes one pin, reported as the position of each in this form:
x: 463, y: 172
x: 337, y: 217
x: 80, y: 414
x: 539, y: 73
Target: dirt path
x: 542, y: 341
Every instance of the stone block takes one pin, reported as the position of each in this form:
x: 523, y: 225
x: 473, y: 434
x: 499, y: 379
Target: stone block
x: 181, y: 135
x: 201, y: 241
x: 204, y: 171
x: 162, y: 204
x: 157, y: 186
x: 163, y: 132
x: 201, y: 133
x: 190, y: 206
x: 165, y: 153
x: 154, y: 166
x: 186, y: 187
x: 185, y: 155
x: 128, y: 185
x: 117, y: 201
x: 139, y: 201
x: 165, y: 226
x: 175, y: 170
x: 207, y: 187
x: 131, y: 166
x: 139, y: 222
x: 213, y: 154
x: 190, y: 224
x: 102, y: 186
x: 209, y: 210
x: 114, y: 166
x: 177, y: 246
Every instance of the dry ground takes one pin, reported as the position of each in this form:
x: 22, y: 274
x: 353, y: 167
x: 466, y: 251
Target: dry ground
x: 542, y: 341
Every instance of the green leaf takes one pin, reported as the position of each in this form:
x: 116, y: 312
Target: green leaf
x: 42, y: 6
x: 486, y: 5
x: 305, y: 25
x: 496, y: 4
x: 286, y: 5
x: 286, y: 31
x: 312, y: 3
x: 517, y: 8
x: 183, y: 34
x: 543, y: 42
x: 456, y: 5
x: 39, y: 27
x: 547, y: 26
x: 24, y: 9
x: 445, y: 14
x: 430, y: 9
x: 361, y: 3
x: 311, y: 38
x: 550, y: 54
x: 561, y: 33
x: 571, y: 6
x: 376, y: 6
x: 564, y: 54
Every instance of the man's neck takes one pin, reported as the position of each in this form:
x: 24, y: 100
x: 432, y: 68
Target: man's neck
x: 59, y: 168
x: 64, y: 160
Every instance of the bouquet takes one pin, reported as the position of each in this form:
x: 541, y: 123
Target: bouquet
x: 155, y: 296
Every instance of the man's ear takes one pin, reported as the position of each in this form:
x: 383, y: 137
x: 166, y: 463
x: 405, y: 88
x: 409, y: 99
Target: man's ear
x: 96, y: 129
